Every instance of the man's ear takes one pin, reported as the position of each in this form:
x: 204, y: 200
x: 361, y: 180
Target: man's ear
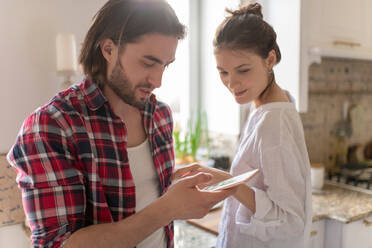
x: 271, y: 59
x: 109, y: 50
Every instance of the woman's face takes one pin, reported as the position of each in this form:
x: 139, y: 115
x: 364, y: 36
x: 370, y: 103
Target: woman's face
x: 245, y: 74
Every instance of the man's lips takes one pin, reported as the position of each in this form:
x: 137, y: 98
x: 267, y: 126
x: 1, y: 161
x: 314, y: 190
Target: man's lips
x: 145, y: 91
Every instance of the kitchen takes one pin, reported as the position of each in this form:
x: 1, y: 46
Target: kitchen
x: 332, y: 63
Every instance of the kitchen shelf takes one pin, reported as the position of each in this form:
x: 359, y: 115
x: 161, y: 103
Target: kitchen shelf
x: 316, y: 53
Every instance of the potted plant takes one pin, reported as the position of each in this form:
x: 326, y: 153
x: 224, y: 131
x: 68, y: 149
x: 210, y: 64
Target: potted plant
x: 188, y: 142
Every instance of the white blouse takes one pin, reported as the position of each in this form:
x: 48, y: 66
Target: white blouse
x: 273, y: 141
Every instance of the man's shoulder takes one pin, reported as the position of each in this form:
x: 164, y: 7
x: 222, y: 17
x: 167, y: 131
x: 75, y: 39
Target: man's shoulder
x: 163, y: 107
x: 163, y: 112
x: 64, y: 104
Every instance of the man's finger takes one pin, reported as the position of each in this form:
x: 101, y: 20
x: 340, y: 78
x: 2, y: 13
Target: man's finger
x: 184, y: 171
x: 199, y: 178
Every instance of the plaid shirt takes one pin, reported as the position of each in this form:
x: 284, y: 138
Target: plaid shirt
x: 72, y: 163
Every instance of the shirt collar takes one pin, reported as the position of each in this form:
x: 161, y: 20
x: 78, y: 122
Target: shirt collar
x: 93, y: 96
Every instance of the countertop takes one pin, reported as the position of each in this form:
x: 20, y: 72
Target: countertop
x: 341, y: 203
x: 335, y: 202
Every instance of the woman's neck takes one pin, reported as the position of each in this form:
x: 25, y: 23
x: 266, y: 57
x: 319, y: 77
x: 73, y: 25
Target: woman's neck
x: 273, y: 93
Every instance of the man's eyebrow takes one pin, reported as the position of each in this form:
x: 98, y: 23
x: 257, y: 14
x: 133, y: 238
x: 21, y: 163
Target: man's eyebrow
x: 152, y: 58
x: 156, y: 60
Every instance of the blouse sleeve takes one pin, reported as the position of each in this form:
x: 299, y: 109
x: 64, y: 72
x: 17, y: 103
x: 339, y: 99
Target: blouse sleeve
x: 280, y: 205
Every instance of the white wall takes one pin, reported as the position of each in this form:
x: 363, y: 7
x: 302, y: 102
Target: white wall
x: 13, y: 236
x: 28, y: 58
x: 28, y: 65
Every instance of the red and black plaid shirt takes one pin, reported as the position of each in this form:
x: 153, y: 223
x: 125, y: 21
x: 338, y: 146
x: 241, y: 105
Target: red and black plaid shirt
x: 72, y: 163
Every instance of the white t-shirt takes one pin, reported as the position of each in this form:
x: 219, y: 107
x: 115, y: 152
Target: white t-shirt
x: 273, y: 141
x: 147, y: 186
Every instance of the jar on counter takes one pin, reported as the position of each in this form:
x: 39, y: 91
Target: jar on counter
x: 317, y: 175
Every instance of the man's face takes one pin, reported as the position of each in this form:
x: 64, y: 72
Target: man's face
x: 140, y: 68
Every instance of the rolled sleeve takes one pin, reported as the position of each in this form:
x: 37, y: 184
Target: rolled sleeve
x: 280, y: 210
x: 53, y: 192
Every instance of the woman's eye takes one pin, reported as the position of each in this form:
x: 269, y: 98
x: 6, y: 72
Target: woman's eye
x: 223, y: 73
x: 243, y: 71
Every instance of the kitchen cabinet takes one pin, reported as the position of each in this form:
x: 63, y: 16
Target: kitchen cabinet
x: 340, y: 24
x: 317, y: 234
x: 309, y: 30
x: 354, y: 234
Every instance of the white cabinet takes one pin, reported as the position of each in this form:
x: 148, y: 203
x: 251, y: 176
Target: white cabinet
x: 340, y: 24
x: 340, y: 28
x: 358, y: 234
x: 351, y: 235
x: 317, y: 234
x: 308, y: 30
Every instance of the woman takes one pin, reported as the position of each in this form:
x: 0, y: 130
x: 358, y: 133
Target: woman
x: 274, y: 208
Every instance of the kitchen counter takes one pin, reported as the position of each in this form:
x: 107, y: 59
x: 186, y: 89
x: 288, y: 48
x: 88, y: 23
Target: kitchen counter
x: 189, y: 236
x: 341, y: 203
x: 335, y: 202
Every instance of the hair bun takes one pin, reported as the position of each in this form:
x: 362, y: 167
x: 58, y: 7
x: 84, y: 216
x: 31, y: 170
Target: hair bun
x: 255, y: 9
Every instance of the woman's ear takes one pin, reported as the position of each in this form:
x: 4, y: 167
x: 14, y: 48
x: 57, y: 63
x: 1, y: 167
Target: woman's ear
x: 271, y: 59
x: 109, y: 50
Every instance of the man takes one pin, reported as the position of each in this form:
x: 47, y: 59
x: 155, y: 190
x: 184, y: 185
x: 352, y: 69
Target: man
x: 94, y: 164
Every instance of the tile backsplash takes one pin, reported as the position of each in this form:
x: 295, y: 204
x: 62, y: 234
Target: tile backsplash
x: 331, y: 84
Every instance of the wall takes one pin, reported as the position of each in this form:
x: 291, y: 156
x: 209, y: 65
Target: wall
x: 331, y: 83
x: 28, y: 65
x: 28, y: 59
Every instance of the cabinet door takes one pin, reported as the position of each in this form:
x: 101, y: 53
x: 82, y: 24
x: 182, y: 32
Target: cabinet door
x: 317, y: 234
x: 340, y: 24
x: 358, y: 234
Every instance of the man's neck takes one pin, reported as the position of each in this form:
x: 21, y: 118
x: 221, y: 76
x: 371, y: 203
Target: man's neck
x: 122, y: 109
x: 131, y: 116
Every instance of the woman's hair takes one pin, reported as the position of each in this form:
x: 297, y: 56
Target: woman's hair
x: 125, y: 21
x: 246, y: 29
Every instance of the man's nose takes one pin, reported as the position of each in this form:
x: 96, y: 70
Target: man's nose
x: 156, y: 77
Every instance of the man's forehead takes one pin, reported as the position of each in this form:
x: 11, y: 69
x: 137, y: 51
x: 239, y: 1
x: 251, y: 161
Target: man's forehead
x: 155, y: 47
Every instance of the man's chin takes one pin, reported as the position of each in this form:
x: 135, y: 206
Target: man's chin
x: 140, y: 104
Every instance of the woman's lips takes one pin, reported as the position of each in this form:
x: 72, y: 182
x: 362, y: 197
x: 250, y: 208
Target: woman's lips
x: 239, y: 93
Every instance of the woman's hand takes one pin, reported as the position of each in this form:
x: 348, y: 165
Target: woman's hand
x: 193, y: 169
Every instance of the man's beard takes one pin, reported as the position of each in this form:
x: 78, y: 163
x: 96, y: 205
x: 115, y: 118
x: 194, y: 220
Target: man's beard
x: 123, y: 88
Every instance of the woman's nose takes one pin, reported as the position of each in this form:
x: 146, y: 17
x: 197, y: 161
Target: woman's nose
x: 232, y: 82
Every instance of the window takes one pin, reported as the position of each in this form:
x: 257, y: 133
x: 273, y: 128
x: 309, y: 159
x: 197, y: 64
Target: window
x: 192, y: 81
x: 176, y: 79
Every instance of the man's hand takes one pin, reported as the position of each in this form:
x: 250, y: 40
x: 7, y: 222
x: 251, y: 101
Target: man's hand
x: 186, y: 201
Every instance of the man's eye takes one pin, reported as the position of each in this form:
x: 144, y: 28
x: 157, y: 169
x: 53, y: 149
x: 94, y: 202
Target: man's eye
x: 223, y: 73
x: 243, y: 71
x: 148, y: 64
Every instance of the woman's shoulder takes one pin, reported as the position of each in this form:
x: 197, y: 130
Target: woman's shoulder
x: 275, y: 121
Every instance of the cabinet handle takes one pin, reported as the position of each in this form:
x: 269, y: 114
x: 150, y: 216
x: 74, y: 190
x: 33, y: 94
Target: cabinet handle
x: 367, y: 223
x: 313, y: 233
x: 345, y: 43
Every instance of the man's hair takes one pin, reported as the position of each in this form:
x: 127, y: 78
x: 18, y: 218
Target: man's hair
x: 125, y: 21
